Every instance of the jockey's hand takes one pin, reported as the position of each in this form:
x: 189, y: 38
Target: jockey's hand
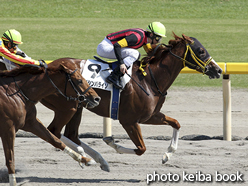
x: 42, y: 63
x: 123, y: 68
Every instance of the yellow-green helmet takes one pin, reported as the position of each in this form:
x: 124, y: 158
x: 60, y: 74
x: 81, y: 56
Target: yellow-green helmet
x: 157, y: 28
x: 12, y: 35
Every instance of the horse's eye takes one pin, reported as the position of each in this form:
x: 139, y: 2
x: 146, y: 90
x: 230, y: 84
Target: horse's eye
x: 202, y: 52
x: 80, y: 81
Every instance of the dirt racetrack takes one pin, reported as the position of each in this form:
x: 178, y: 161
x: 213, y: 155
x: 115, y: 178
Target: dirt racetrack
x: 209, y: 161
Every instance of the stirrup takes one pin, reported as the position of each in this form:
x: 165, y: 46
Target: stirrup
x: 111, y: 80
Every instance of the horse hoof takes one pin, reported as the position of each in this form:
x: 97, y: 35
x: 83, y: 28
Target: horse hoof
x: 108, y: 139
x: 90, y: 163
x: 165, y: 158
x: 104, y: 166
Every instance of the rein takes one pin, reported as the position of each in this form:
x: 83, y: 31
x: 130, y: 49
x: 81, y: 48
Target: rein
x: 151, y: 73
x: 80, y: 97
x: 153, y: 78
x: 20, y: 91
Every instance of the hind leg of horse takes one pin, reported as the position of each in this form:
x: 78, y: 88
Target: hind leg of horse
x: 72, y: 140
x: 8, y: 140
x: 37, y: 128
x: 135, y: 135
x: 161, y: 119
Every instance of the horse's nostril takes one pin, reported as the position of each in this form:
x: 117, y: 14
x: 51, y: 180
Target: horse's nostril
x: 220, y: 71
x: 97, y: 99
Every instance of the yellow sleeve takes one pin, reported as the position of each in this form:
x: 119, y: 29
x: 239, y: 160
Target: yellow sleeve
x: 147, y: 47
x: 16, y: 58
x: 123, y: 43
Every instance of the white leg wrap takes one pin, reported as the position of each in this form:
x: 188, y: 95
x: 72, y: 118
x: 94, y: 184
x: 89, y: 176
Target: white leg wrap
x: 72, y: 145
x: 96, y: 156
x: 73, y: 154
x: 173, y: 146
x: 12, y: 180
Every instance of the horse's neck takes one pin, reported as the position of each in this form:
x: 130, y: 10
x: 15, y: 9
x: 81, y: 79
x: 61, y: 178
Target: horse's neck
x: 166, y: 71
x: 38, y: 86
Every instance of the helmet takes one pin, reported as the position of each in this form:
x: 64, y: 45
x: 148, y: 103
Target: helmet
x: 157, y: 28
x: 12, y: 35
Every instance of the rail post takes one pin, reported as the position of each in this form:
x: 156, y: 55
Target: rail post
x: 107, y: 128
x: 227, y: 123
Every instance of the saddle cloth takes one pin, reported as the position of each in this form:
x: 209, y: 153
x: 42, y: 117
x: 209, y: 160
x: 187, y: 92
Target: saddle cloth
x: 95, y: 73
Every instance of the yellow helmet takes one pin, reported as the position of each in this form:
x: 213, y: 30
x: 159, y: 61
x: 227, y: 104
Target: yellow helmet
x: 12, y: 35
x: 157, y: 28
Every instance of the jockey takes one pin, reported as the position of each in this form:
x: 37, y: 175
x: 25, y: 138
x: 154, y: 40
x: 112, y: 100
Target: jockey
x: 122, y: 46
x: 11, y: 53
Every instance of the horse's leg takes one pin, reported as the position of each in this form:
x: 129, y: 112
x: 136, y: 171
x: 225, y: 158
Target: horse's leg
x: 161, y: 119
x: 37, y: 128
x: 8, y: 140
x: 72, y: 140
x: 135, y: 135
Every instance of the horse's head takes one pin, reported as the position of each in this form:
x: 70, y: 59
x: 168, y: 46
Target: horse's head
x: 197, y: 57
x: 79, y: 85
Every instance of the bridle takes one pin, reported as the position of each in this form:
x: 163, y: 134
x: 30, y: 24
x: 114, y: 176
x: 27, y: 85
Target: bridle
x: 200, y: 64
x: 80, y: 95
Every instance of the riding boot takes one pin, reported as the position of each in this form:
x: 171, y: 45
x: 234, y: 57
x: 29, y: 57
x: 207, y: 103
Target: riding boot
x: 114, y: 78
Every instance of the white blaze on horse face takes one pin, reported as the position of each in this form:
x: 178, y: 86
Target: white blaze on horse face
x: 217, y: 67
x: 214, y: 61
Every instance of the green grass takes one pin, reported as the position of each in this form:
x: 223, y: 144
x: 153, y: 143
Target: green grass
x: 53, y: 29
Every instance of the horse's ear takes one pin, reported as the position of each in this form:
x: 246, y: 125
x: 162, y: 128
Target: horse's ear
x: 65, y: 68
x: 187, y: 38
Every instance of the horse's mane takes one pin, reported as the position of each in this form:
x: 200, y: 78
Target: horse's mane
x: 55, y: 66
x: 163, y: 49
x: 21, y: 70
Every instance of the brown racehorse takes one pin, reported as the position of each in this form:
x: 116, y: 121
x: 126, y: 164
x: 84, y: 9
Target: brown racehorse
x: 23, y: 87
x: 135, y: 106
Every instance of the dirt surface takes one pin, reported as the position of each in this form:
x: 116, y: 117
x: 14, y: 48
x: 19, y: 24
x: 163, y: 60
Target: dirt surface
x: 196, y: 162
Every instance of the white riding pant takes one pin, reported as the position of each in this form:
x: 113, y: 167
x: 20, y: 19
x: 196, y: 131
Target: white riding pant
x: 106, y: 49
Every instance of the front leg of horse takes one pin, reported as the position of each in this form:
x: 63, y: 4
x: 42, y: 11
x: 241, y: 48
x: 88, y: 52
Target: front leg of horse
x: 8, y: 140
x: 134, y: 132
x: 161, y: 119
x: 173, y: 146
x: 36, y: 127
x: 122, y: 150
x: 82, y: 148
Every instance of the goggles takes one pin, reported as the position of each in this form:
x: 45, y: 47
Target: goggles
x: 158, y: 38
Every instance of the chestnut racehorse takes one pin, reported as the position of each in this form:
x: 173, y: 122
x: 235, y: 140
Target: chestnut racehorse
x: 136, y: 107
x: 23, y: 87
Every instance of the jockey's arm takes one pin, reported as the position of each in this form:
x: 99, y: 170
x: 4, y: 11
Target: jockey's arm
x: 16, y: 58
x: 125, y: 42
x: 117, y: 48
x: 147, y: 47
